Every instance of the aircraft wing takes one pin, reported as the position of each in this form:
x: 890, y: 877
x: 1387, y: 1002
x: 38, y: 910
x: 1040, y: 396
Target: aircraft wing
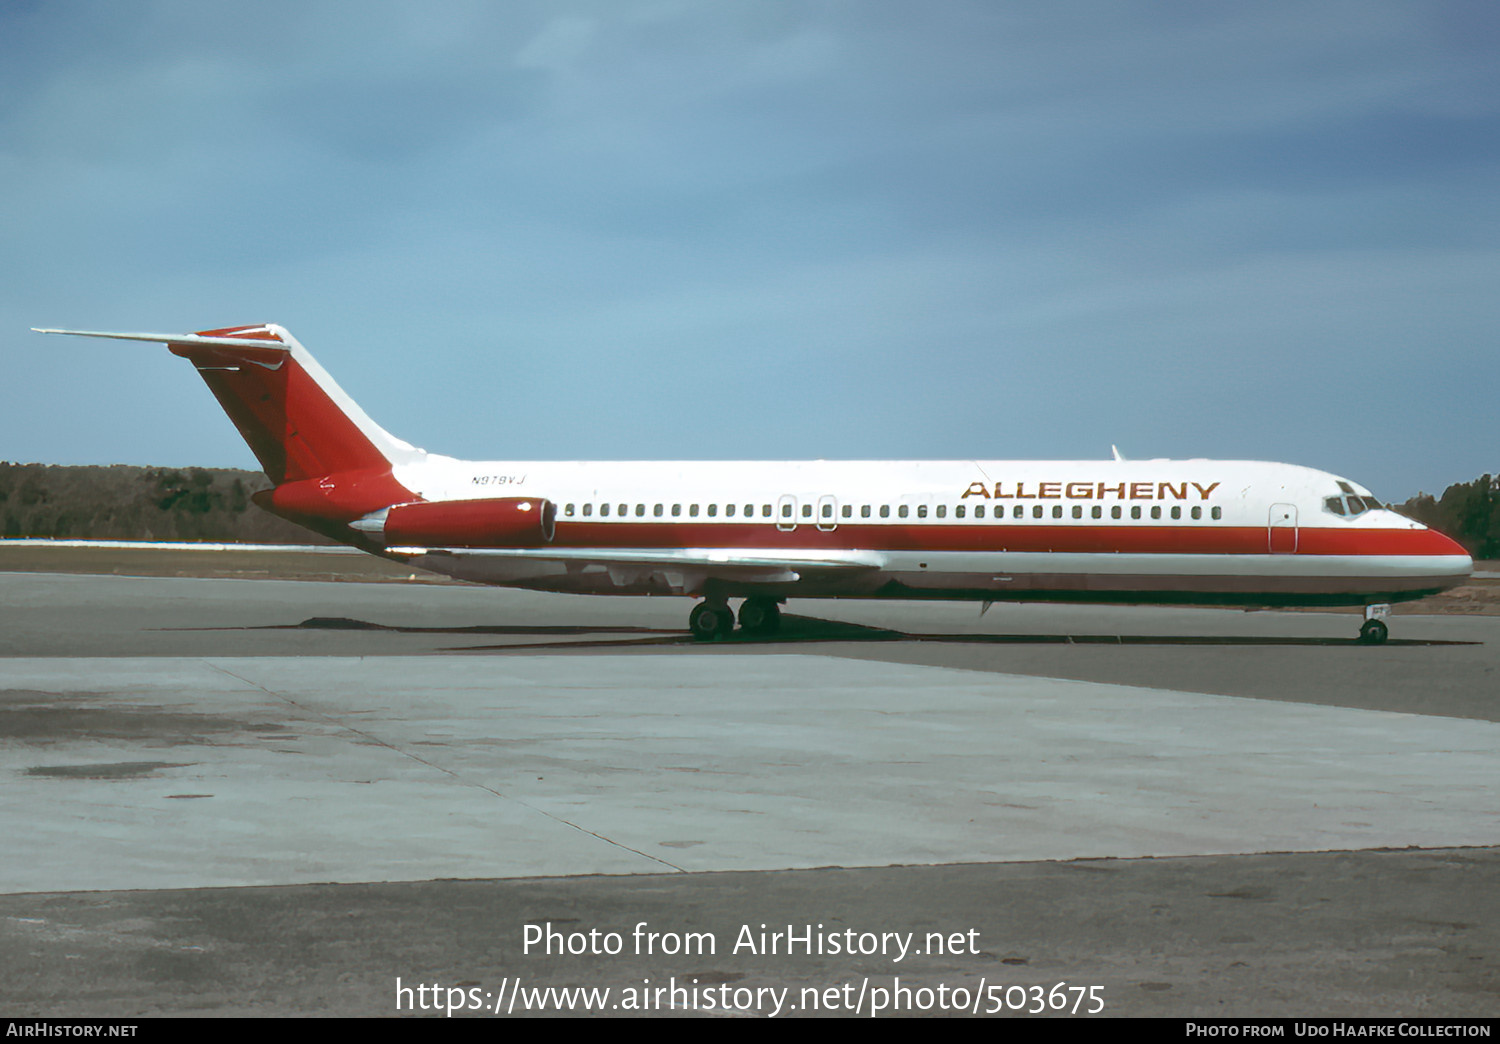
x: 743, y: 564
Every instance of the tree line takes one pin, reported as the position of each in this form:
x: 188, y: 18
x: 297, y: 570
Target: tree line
x: 1469, y: 512
x: 121, y: 502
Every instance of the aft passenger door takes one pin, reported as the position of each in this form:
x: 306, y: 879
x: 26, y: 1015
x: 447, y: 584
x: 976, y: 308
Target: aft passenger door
x: 828, y: 513
x: 786, y: 512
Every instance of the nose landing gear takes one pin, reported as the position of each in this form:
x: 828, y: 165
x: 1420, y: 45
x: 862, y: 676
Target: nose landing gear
x: 1374, y: 631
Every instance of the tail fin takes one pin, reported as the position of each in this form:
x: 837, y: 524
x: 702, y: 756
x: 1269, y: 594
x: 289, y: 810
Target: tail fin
x: 298, y: 422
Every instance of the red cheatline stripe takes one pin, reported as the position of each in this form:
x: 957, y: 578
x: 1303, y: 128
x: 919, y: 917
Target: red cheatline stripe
x: 1080, y: 539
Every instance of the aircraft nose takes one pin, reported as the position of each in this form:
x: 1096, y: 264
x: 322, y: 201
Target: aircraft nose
x: 1441, y: 544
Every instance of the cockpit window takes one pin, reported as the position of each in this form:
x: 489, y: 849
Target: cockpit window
x: 1350, y: 504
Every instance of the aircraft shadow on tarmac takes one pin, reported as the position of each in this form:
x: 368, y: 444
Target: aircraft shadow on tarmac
x: 794, y: 630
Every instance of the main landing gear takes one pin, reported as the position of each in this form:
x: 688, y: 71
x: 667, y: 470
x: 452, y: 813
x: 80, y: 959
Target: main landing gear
x: 711, y: 620
x: 1374, y: 631
x: 760, y: 616
x: 714, y: 619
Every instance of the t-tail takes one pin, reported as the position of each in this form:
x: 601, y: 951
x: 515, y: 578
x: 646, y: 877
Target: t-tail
x: 330, y: 463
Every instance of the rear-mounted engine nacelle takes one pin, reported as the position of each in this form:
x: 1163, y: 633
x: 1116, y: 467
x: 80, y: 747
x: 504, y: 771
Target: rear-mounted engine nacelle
x: 503, y: 522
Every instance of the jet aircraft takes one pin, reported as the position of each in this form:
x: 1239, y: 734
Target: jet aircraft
x: 1153, y: 532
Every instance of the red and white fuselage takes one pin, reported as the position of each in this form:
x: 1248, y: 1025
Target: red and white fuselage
x: 1228, y: 532
x: 1151, y: 531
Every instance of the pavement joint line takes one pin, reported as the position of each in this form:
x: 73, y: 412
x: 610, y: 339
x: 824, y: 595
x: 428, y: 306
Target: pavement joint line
x: 446, y: 771
x: 1174, y: 689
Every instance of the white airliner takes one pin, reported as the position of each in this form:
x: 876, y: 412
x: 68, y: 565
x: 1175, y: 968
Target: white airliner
x: 1160, y: 532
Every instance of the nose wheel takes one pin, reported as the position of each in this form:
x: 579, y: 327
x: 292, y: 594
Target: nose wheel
x: 1374, y: 631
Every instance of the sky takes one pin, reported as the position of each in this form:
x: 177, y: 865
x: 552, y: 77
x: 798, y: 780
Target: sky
x: 749, y: 229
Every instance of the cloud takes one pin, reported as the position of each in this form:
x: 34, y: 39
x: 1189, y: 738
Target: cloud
x: 854, y: 229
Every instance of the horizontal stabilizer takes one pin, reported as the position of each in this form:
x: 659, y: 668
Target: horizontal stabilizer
x: 252, y: 338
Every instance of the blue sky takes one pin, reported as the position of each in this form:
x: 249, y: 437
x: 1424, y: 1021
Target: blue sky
x: 759, y: 230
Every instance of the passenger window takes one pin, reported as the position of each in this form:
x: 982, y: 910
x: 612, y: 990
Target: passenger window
x: 1077, y: 511
x: 676, y: 510
x: 750, y: 511
x: 807, y: 511
x: 588, y: 510
x: 921, y: 510
x: 1057, y: 511
x: 885, y: 511
x: 1135, y: 512
x: 1114, y: 512
x: 1176, y: 512
x: 786, y: 511
x: 942, y: 511
x: 765, y: 510
x: 692, y: 510
x: 1019, y: 512
x: 902, y: 510
x: 640, y: 511
x: 1036, y: 512
x: 657, y: 511
x: 713, y: 510
x: 848, y: 511
x: 624, y: 510
x: 728, y: 510
x: 1156, y: 512
x: 603, y: 510
x: 1097, y: 511
x: 1218, y: 513
x: 568, y: 510
x: 864, y: 512
x: 959, y: 512
x: 1197, y: 513
x: 978, y: 510
x: 827, y: 510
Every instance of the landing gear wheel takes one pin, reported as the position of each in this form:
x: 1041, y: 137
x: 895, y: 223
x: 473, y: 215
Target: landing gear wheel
x: 710, y: 620
x: 760, y: 616
x: 1374, y: 632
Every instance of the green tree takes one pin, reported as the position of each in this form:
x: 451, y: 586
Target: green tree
x: 1469, y: 512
